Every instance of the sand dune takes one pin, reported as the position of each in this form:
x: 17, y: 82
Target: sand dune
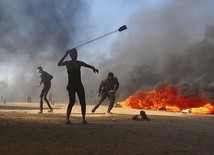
x: 23, y: 131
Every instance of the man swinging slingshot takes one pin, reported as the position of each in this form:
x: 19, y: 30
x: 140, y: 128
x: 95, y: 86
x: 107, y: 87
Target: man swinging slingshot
x: 74, y: 76
x: 74, y: 82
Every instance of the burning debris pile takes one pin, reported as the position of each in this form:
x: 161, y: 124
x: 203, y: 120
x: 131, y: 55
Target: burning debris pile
x: 168, y: 98
x: 176, y: 81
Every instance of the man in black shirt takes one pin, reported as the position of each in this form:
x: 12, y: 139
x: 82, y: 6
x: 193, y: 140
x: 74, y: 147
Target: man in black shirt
x: 74, y: 82
x: 46, y: 81
x: 108, y: 88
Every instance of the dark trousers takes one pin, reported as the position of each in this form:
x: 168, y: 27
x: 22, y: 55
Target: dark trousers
x: 44, y: 94
x: 111, y: 97
x: 79, y: 89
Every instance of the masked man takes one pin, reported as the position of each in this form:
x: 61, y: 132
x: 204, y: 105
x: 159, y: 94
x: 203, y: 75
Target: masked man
x: 46, y: 81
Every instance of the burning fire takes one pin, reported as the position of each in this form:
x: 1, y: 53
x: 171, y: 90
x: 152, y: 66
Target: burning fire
x: 167, y: 98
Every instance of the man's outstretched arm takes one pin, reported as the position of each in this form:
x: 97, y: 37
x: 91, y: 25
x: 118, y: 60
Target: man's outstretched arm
x: 61, y: 61
x: 89, y: 66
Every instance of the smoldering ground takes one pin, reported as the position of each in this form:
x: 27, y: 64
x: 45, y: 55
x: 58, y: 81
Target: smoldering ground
x: 162, y: 44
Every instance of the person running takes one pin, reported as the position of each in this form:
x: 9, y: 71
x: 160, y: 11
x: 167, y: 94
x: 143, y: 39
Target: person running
x: 46, y: 81
x: 107, y: 88
x: 74, y: 82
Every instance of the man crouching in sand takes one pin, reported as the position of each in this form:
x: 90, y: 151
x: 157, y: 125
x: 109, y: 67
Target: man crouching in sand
x: 74, y: 82
x: 108, y: 88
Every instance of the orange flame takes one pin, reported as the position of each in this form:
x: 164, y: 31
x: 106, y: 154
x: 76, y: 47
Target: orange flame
x: 168, y: 99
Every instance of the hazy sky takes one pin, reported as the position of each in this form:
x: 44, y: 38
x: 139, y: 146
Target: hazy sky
x: 162, y: 43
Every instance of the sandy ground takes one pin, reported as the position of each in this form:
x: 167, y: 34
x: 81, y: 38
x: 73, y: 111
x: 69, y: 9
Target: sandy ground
x: 23, y: 131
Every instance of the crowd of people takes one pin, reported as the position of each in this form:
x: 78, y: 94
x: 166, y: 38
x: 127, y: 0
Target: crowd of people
x: 107, y: 88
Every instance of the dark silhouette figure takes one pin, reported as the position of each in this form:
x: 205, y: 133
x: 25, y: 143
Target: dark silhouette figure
x: 2, y: 98
x: 5, y: 101
x: 46, y: 81
x: 29, y: 99
x: 108, y: 88
x: 74, y: 82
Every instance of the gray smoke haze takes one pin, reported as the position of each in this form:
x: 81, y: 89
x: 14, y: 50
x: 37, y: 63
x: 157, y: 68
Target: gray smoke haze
x: 36, y: 33
x: 167, y: 44
x: 171, y: 43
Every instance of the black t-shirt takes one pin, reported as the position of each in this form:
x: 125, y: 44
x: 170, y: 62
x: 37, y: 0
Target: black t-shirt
x: 109, y: 84
x: 46, y: 78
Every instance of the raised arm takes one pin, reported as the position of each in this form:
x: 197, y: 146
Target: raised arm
x: 61, y: 61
